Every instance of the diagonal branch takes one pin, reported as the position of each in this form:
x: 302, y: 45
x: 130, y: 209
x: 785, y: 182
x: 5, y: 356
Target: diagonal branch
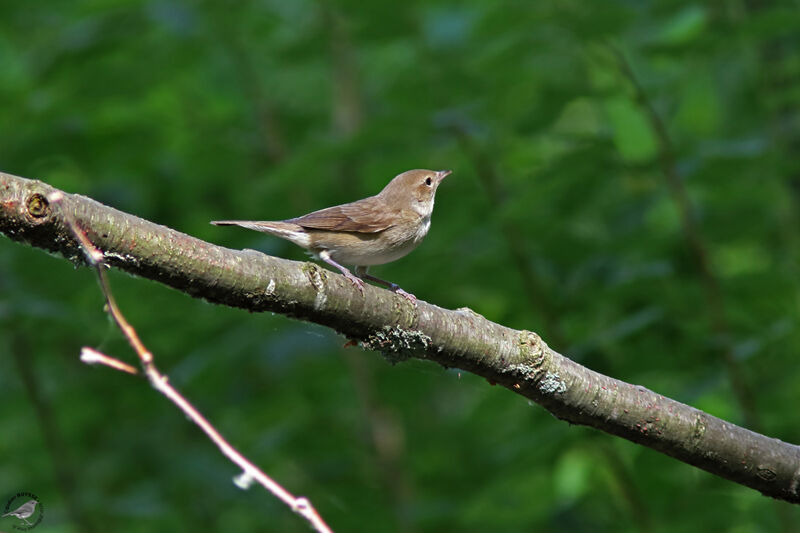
x: 380, y: 320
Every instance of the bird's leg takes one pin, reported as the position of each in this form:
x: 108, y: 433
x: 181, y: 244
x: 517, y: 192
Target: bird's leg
x: 326, y: 256
x: 361, y: 271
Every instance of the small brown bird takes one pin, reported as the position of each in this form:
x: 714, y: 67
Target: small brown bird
x: 372, y: 231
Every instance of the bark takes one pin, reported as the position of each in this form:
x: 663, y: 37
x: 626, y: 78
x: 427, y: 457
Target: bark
x: 383, y: 321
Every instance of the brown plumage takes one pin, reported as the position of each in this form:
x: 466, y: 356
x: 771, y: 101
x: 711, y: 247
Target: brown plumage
x: 369, y: 215
x: 372, y: 231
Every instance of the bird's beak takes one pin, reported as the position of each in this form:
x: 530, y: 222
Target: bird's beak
x: 442, y: 174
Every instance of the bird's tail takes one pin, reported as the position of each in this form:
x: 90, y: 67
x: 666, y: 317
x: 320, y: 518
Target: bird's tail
x: 285, y: 230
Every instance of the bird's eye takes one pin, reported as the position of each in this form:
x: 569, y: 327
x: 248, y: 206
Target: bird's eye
x: 428, y: 181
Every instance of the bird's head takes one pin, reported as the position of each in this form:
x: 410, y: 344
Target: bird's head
x: 414, y: 189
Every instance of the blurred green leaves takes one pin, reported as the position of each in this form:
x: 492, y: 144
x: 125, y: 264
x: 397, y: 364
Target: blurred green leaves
x: 683, y: 26
x: 557, y: 219
x: 633, y: 135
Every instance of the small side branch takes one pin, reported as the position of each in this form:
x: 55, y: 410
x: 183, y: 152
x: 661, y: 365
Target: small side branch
x: 250, y: 472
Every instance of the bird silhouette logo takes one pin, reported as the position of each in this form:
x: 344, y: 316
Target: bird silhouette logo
x: 28, y: 512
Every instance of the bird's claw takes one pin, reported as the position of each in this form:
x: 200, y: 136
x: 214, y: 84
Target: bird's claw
x: 357, y: 282
x: 407, y: 295
x: 394, y: 287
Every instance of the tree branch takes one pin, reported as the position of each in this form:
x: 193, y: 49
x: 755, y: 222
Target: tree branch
x: 380, y: 320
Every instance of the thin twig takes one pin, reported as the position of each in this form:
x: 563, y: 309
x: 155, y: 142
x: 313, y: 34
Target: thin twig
x: 90, y: 356
x: 712, y: 287
x: 250, y: 472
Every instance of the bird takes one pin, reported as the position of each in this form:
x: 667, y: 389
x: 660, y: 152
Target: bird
x: 24, y: 511
x: 372, y: 231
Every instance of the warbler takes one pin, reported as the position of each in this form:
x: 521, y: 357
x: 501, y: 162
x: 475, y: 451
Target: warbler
x: 373, y: 231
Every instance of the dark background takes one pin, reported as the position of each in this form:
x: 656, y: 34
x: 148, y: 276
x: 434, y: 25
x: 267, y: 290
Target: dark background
x: 663, y: 252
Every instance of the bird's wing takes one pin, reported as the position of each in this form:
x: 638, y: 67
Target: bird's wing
x: 370, y: 215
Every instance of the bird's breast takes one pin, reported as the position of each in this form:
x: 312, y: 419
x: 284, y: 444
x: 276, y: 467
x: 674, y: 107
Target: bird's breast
x: 367, y: 249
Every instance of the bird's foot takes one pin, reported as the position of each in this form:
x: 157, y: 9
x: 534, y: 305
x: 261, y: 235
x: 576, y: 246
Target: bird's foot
x: 407, y: 295
x: 358, y: 282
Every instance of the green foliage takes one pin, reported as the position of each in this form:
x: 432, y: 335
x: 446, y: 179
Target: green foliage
x: 558, y: 218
